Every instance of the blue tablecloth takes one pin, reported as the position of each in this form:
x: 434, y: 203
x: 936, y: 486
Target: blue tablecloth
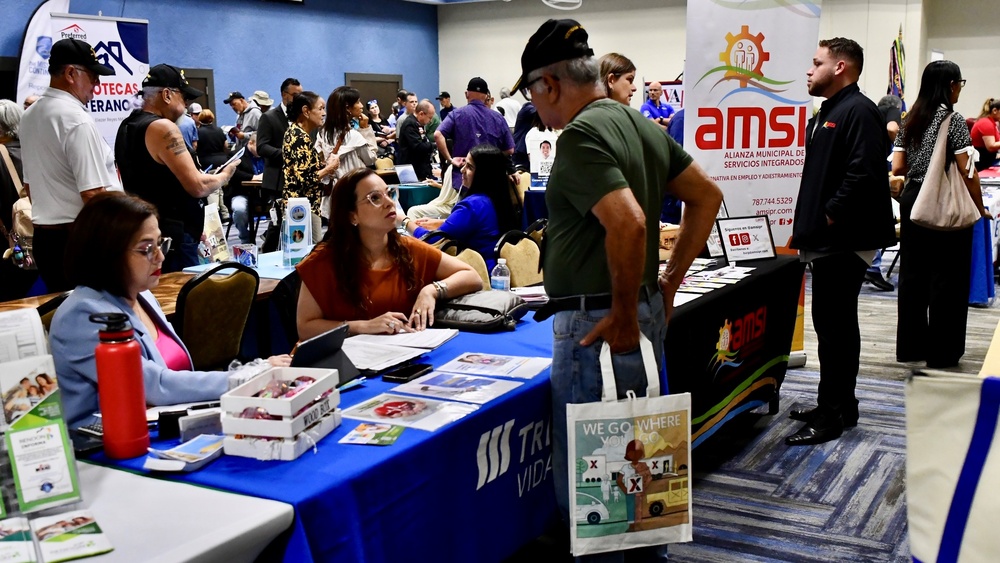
x: 981, y: 287
x: 475, y: 490
x: 268, y: 266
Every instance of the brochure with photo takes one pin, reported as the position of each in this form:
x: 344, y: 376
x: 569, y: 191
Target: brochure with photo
x: 16, y: 545
x: 457, y: 387
x: 400, y: 410
x: 70, y: 535
x: 372, y: 434
x: 494, y: 364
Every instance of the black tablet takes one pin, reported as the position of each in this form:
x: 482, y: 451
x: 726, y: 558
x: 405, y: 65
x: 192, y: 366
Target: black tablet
x: 324, y: 351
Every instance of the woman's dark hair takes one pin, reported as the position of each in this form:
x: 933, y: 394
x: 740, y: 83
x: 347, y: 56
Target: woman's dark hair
x: 491, y: 180
x: 101, y: 238
x: 301, y: 101
x: 616, y: 64
x: 344, y: 240
x: 338, y: 123
x: 935, y: 91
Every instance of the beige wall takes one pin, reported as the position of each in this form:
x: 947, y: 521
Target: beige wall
x: 486, y: 38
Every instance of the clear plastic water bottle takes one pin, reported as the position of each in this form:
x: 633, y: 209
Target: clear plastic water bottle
x: 500, y: 276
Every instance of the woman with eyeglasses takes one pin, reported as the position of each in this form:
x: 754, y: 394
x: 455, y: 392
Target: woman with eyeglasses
x: 114, y: 258
x: 305, y: 168
x: 485, y: 213
x: 366, y: 275
x: 935, y: 265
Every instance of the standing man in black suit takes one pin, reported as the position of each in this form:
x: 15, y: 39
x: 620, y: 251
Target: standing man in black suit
x: 270, y: 134
x: 414, y: 146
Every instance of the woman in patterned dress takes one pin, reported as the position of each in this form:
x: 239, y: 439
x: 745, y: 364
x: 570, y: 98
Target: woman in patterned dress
x: 304, y: 167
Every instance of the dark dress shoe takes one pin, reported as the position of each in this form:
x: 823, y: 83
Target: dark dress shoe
x: 849, y: 418
x: 824, y: 429
x: 878, y: 281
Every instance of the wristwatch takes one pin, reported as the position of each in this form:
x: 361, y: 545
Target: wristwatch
x: 404, y: 222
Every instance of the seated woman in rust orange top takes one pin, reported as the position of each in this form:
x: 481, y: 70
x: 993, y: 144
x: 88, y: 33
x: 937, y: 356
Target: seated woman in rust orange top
x: 365, y: 274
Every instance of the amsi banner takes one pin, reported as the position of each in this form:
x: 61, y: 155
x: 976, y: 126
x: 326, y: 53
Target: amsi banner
x: 122, y: 44
x: 747, y: 100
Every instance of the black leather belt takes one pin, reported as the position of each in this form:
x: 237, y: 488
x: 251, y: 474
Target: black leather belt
x: 587, y: 302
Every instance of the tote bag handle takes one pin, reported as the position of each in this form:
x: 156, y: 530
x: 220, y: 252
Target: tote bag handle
x: 610, y: 393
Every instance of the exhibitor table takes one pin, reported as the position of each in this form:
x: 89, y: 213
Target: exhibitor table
x: 729, y: 348
x: 475, y: 490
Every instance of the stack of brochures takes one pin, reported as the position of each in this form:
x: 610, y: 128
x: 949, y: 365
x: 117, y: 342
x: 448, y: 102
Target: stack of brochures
x: 377, y: 352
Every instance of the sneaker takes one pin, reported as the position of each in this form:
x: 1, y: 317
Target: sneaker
x: 878, y: 281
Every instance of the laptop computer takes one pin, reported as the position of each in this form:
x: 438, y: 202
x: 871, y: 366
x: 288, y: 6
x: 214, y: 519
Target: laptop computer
x: 324, y: 351
x: 406, y: 173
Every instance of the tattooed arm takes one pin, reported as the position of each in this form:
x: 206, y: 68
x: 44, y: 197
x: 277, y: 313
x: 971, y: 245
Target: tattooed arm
x: 166, y: 145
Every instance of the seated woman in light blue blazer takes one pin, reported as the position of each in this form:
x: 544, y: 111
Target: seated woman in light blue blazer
x: 114, y: 258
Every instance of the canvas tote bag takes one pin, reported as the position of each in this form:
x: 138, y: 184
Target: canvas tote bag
x: 944, y: 202
x: 629, y: 465
x: 952, y: 468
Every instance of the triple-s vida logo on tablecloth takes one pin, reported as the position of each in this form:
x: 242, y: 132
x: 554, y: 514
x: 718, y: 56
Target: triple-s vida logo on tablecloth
x: 743, y: 335
x: 533, y: 446
x: 631, y: 474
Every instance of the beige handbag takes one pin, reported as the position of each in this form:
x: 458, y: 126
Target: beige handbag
x: 944, y: 202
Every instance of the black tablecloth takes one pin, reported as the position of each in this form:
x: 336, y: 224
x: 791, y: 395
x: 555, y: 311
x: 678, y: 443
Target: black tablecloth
x: 729, y: 348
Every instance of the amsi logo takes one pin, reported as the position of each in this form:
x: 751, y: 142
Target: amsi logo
x: 778, y: 127
x: 742, y: 336
x: 494, y: 457
x: 73, y: 32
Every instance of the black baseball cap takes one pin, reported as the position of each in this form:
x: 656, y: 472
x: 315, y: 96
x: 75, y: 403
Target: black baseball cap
x: 76, y: 52
x: 443, y: 95
x: 555, y: 41
x: 477, y: 84
x: 233, y: 96
x: 166, y: 76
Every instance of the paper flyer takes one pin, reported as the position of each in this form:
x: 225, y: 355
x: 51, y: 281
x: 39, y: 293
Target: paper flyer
x: 400, y: 410
x: 297, y: 232
x: 70, y: 535
x: 457, y: 387
x: 494, y: 364
x: 372, y: 434
x: 41, y: 454
x: 16, y: 545
x: 215, y: 236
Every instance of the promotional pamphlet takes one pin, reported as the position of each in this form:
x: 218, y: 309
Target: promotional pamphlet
x: 493, y: 364
x: 541, y: 147
x: 457, y: 387
x: 373, y: 434
x: 70, y: 535
x: 215, y: 237
x: 21, y: 335
x: 189, y: 456
x: 38, y: 444
x: 428, y: 339
x: 16, y: 545
x: 296, y: 231
x: 377, y: 357
x: 400, y: 410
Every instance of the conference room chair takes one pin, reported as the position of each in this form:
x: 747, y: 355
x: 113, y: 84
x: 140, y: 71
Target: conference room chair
x: 285, y: 297
x: 212, y: 312
x: 438, y: 239
x: 384, y: 163
x: 47, y: 310
x: 522, y: 255
x: 474, y: 259
x: 519, y: 187
x: 536, y: 230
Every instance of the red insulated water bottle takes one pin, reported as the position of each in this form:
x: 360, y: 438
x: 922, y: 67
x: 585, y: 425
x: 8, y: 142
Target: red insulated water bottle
x: 120, y: 388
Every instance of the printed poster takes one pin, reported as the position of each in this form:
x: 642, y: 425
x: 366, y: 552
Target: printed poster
x: 745, y: 89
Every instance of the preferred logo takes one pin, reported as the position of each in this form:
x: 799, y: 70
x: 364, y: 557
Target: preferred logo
x: 73, y: 32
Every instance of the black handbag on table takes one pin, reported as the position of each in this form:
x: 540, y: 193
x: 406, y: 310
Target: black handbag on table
x: 483, y: 311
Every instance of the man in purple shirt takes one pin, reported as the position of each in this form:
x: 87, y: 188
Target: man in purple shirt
x: 469, y: 126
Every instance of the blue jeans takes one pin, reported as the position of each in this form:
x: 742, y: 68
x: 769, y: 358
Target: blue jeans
x: 576, y: 378
x: 876, y: 267
x: 239, y: 209
x: 182, y: 254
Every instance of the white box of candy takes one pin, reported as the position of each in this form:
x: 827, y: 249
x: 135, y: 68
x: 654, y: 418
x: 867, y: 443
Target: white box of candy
x: 275, y: 449
x: 265, y: 391
x: 280, y: 402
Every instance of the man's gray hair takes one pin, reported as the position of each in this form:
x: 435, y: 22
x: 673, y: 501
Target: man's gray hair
x: 890, y: 102
x: 10, y: 118
x: 151, y: 92
x: 582, y: 71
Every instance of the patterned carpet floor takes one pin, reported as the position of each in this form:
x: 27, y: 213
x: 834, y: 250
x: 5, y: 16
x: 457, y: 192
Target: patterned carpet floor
x: 756, y: 499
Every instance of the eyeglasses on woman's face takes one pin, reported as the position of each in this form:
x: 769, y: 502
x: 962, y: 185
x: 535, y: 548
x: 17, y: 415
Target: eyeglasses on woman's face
x: 378, y: 198
x: 961, y: 82
x: 149, y: 249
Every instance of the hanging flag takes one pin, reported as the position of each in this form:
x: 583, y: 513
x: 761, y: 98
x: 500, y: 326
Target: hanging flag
x: 33, y: 70
x: 897, y: 69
